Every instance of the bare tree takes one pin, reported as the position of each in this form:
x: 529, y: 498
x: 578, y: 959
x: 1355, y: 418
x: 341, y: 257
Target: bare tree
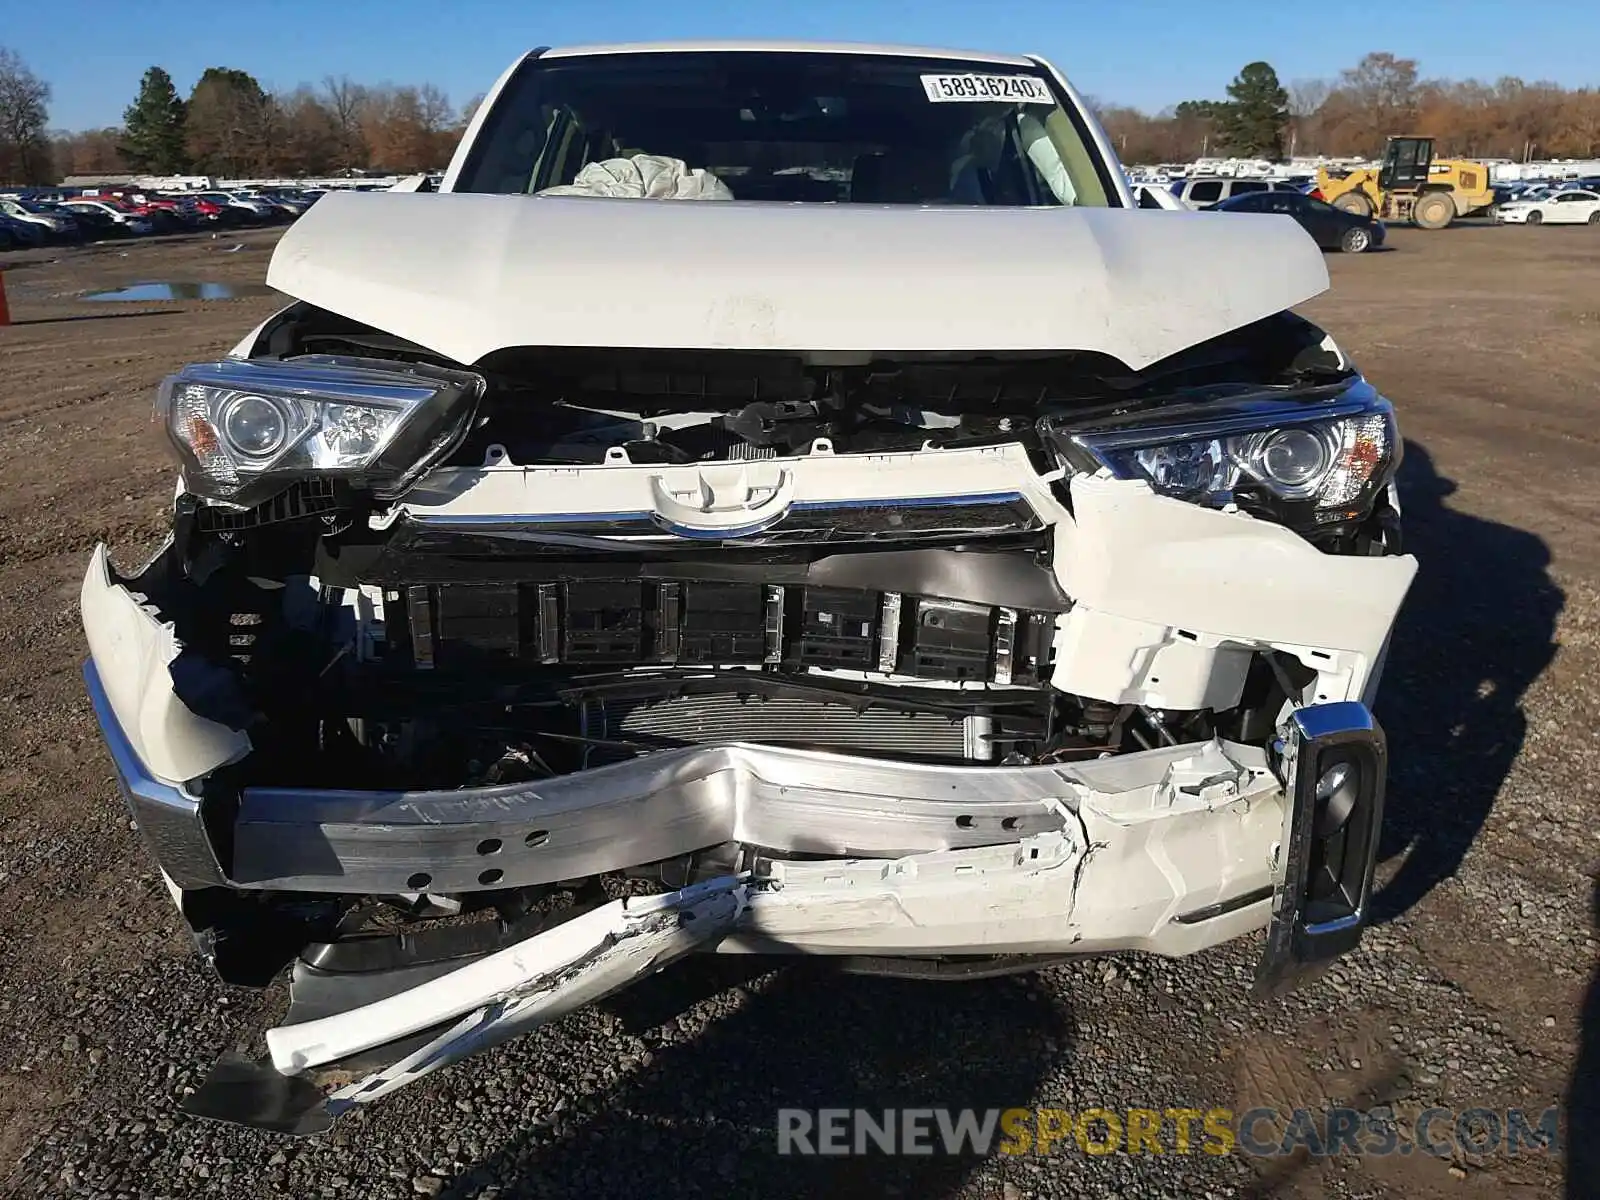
x: 1306, y: 98
x: 378, y: 115
x: 311, y: 142
x: 409, y: 128
x: 437, y: 117
x: 1308, y: 95
x: 1580, y: 131
x: 24, y: 101
x: 92, y: 152
x: 434, y: 110
x: 265, y: 130
x: 1382, y: 89
x: 470, y: 110
x: 218, y: 130
x: 344, y: 101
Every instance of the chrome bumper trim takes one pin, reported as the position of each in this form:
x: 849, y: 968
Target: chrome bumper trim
x: 167, y: 816
x: 1323, y: 890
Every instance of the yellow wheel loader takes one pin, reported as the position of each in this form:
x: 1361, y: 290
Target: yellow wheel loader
x: 1411, y: 185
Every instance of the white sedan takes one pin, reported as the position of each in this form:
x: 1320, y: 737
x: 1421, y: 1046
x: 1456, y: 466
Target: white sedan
x: 1564, y: 208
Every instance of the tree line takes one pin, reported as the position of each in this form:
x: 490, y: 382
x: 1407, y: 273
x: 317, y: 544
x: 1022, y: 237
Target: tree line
x: 230, y: 125
x: 1356, y: 111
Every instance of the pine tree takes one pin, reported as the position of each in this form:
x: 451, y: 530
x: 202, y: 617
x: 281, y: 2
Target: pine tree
x: 154, y: 137
x: 1257, y: 111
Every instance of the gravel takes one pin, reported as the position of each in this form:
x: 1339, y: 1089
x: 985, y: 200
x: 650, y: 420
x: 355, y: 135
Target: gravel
x: 1468, y: 992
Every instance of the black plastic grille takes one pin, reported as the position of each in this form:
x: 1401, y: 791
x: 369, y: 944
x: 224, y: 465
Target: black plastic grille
x: 579, y: 623
x: 310, y: 498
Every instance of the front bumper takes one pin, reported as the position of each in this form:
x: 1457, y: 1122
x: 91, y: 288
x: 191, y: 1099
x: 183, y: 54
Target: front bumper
x: 1111, y: 854
x: 1196, y: 845
x: 1168, y: 851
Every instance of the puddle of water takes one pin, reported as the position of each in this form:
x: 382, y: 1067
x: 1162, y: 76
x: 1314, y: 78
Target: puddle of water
x: 168, y: 290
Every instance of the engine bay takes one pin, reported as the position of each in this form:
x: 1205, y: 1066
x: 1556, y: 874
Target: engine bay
x: 585, y: 406
x: 364, y: 649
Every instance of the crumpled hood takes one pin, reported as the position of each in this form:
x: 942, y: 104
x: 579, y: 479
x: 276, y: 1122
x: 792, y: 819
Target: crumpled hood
x: 464, y: 275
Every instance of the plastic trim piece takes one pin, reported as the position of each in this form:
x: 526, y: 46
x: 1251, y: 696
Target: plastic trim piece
x: 168, y: 817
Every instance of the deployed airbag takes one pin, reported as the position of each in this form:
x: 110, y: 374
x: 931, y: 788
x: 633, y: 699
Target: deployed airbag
x: 643, y: 177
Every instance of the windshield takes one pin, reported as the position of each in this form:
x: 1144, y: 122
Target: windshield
x: 787, y: 127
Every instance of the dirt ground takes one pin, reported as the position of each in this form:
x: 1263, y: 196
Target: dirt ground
x: 1470, y: 992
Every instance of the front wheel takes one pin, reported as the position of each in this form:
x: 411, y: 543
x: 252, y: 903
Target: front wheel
x: 1355, y: 203
x: 1434, y: 210
x: 1535, y: 217
x: 1355, y: 240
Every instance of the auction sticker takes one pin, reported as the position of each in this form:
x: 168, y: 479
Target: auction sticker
x: 1017, y: 89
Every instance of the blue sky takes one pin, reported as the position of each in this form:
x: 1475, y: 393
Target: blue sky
x: 1148, y: 53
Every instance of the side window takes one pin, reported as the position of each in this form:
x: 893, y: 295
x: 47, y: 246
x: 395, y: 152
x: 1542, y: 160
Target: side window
x: 1147, y: 199
x: 1245, y: 187
x: 1207, y: 191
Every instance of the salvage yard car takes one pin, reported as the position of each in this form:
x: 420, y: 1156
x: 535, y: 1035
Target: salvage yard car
x: 108, y: 215
x: 1573, y: 206
x: 771, y: 499
x: 50, y: 225
x: 1331, y: 228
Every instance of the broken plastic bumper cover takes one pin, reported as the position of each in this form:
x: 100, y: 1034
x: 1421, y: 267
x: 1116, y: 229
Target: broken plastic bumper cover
x: 1170, y: 851
x: 1068, y: 887
x: 484, y: 1002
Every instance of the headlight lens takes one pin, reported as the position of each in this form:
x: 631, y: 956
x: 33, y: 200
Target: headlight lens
x: 246, y: 428
x: 1185, y: 468
x: 1315, y: 462
x: 254, y: 425
x: 1292, y: 458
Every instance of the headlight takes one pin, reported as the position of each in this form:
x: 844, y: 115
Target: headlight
x: 256, y: 426
x: 246, y: 428
x: 1313, y: 463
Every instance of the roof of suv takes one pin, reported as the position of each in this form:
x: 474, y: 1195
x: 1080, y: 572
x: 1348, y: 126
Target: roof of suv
x: 788, y: 47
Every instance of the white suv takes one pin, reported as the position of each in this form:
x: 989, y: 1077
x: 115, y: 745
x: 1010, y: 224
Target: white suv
x: 1202, y: 193
x: 780, y: 479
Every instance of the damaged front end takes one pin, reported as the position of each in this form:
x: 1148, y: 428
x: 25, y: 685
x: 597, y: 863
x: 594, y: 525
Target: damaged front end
x: 471, y: 695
